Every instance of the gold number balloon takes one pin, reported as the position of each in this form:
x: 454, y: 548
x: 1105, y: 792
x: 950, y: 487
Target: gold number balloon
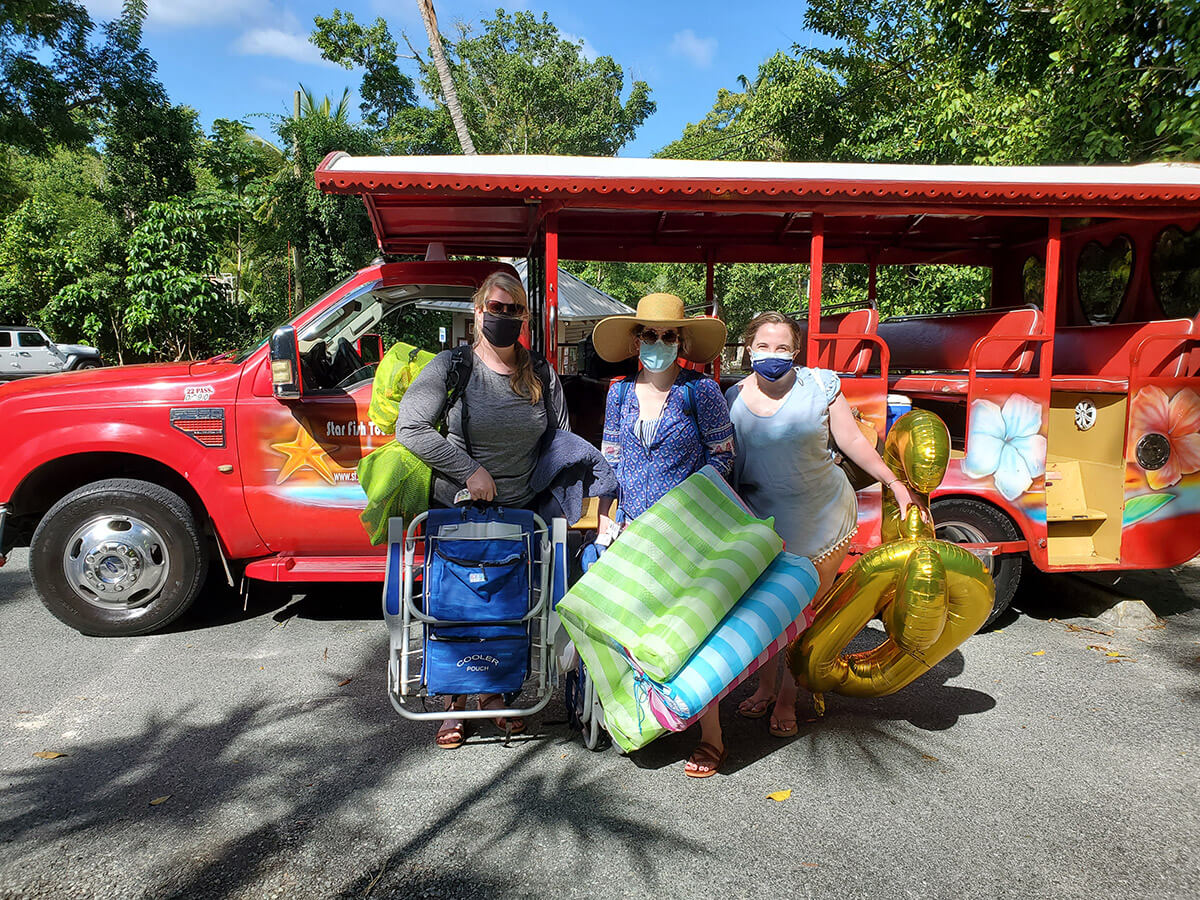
x: 931, y: 595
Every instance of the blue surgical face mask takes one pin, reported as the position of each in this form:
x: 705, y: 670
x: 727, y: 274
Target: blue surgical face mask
x: 658, y: 356
x: 771, y: 366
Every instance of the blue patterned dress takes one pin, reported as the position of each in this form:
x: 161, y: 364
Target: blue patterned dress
x: 681, y: 445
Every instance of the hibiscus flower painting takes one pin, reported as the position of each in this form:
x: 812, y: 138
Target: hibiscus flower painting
x: 1177, y: 419
x: 1007, y: 444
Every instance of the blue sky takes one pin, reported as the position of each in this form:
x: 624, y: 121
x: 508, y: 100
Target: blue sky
x: 235, y: 58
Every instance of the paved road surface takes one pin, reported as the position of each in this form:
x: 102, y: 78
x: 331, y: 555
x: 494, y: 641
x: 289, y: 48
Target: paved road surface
x: 1025, y: 765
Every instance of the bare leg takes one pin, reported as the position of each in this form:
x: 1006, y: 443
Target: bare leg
x: 783, y: 719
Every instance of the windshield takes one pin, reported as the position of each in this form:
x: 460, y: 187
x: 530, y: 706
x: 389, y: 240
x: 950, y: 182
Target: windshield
x: 243, y: 355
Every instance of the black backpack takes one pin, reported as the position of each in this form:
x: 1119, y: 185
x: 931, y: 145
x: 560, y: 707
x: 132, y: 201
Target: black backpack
x: 462, y: 361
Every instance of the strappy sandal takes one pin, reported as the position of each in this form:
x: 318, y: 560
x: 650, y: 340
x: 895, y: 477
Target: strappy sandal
x: 756, y: 710
x: 452, y: 733
x: 705, y: 755
x: 514, y: 725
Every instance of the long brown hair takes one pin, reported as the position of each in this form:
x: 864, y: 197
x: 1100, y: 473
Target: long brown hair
x: 523, y: 380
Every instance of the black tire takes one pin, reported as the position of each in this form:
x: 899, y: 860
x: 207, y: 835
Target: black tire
x: 964, y: 521
x: 86, y: 364
x: 175, y: 554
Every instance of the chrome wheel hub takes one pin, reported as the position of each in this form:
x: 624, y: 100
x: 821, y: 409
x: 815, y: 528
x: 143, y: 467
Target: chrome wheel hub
x: 116, y: 562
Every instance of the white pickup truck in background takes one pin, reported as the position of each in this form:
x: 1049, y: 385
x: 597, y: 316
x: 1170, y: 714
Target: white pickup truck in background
x: 26, y: 351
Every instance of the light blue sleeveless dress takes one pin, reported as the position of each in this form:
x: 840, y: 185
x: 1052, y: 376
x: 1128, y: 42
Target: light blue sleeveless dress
x: 784, y: 467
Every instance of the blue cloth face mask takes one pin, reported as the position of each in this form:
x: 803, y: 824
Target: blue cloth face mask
x: 771, y: 366
x: 658, y: 356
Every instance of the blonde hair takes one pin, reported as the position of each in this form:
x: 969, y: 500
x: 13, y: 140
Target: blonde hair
x: 523, y: 380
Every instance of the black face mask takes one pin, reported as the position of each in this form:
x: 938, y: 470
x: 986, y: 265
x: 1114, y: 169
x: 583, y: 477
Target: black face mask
x: 501, y: 331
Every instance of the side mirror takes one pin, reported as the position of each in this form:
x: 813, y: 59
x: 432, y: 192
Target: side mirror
x: 285, y: 364
x: 370, y: 349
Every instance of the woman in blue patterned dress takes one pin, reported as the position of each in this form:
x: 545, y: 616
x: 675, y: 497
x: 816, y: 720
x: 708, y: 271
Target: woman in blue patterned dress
x: 783, y: 417
x: 664, y: 425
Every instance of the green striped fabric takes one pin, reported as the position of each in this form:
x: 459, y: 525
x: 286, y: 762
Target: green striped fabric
x: 630, y: 722
x: 675, y: 572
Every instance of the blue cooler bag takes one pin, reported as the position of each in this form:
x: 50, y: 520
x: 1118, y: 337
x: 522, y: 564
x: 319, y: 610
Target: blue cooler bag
x: 484, y: 582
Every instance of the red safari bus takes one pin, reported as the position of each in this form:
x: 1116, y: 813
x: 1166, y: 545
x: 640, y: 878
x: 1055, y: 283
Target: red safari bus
x: 1072, y: 397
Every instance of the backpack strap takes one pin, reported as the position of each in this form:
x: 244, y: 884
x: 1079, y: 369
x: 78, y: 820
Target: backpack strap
x: 624, y: 385
x: 541, y: 368
x: 458, y: 376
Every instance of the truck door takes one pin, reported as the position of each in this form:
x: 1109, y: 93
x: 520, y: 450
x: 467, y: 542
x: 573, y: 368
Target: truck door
x: 300, y: 457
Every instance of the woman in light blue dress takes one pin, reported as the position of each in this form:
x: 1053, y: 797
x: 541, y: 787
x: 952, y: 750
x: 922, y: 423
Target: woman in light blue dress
x: 782, y: 418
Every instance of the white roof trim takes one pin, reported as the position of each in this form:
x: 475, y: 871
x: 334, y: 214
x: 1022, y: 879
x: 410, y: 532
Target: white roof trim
x: 1164, y: 174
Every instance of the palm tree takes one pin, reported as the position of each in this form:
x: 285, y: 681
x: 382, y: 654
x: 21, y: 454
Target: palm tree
x: 429, y: 17
x: 324, y: 109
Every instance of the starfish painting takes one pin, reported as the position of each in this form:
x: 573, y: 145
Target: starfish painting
x: 301, y: 452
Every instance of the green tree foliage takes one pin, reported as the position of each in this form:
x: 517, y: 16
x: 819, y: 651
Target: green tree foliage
x: 527, y: 89
x: 56, y: 80
x: 176, y: 308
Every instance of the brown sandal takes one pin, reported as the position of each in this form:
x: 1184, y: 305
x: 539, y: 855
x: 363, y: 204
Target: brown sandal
x: 755, y: 710
x: 705, y: 755
x: 777, y: 729
x: 452, y: 733
x: 514, y: 725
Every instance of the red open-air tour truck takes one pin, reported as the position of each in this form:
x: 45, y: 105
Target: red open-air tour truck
x: 1075, y: 418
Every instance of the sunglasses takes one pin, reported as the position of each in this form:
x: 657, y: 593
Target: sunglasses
x: 498, y: 308
x: 650, y: 336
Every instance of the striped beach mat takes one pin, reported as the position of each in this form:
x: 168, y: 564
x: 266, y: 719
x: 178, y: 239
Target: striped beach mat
x: 752, y: 632
x: 663, y: 587
x: 637, y: 709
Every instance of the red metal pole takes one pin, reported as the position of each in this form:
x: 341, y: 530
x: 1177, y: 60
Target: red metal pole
x: 551, y: 348
x: 710, y: 301
x: 816, y: 259
x: 1050, y: 298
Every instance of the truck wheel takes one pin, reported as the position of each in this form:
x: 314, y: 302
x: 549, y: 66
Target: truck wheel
x: 87, y: 364
x: 118, y: 557
x: 962, y: 521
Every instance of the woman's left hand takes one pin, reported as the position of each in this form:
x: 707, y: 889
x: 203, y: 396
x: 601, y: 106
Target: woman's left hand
x: 904, y: 498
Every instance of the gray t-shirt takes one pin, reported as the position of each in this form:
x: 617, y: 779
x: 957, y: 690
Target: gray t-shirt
x: 505, y: 430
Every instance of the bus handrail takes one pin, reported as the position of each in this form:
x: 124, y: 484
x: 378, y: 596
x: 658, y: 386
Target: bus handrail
x: 1136, y: 356
x: 973, y: 356
x: 885, y: 353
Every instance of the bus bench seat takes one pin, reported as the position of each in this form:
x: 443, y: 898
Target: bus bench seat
x: 931, y: 354
x: 1100, y: 357
x: 845, y: 357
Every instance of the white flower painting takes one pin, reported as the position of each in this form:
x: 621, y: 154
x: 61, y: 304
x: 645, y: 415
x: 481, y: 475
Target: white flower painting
x: 1006, y: 443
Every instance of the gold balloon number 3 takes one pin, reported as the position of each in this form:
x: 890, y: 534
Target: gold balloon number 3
x: 931, y: 595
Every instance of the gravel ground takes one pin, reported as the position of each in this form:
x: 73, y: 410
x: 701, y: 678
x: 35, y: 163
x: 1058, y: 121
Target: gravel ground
x: 254, y: 754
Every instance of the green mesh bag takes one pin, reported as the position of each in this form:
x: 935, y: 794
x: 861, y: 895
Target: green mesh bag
x: 399, y: 366
x: 395, y: 481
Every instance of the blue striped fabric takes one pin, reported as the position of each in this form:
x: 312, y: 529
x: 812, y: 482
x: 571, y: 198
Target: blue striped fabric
x: 780, y: 596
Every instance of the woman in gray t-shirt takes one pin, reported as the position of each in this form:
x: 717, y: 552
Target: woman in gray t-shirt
x: 506, y: 423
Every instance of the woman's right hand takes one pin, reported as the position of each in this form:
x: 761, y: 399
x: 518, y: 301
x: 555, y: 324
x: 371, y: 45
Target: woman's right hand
x: 481, y: 485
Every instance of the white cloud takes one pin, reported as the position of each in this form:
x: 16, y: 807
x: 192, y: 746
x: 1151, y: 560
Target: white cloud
x: 589, y: 52
x: 177, y: 13
x: 698, y: 50
x: 276, y: 42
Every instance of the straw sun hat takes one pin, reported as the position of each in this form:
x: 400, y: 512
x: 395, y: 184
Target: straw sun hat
x: 613, y: 337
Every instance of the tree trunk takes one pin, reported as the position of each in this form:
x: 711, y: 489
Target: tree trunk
x: 443, y: 70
